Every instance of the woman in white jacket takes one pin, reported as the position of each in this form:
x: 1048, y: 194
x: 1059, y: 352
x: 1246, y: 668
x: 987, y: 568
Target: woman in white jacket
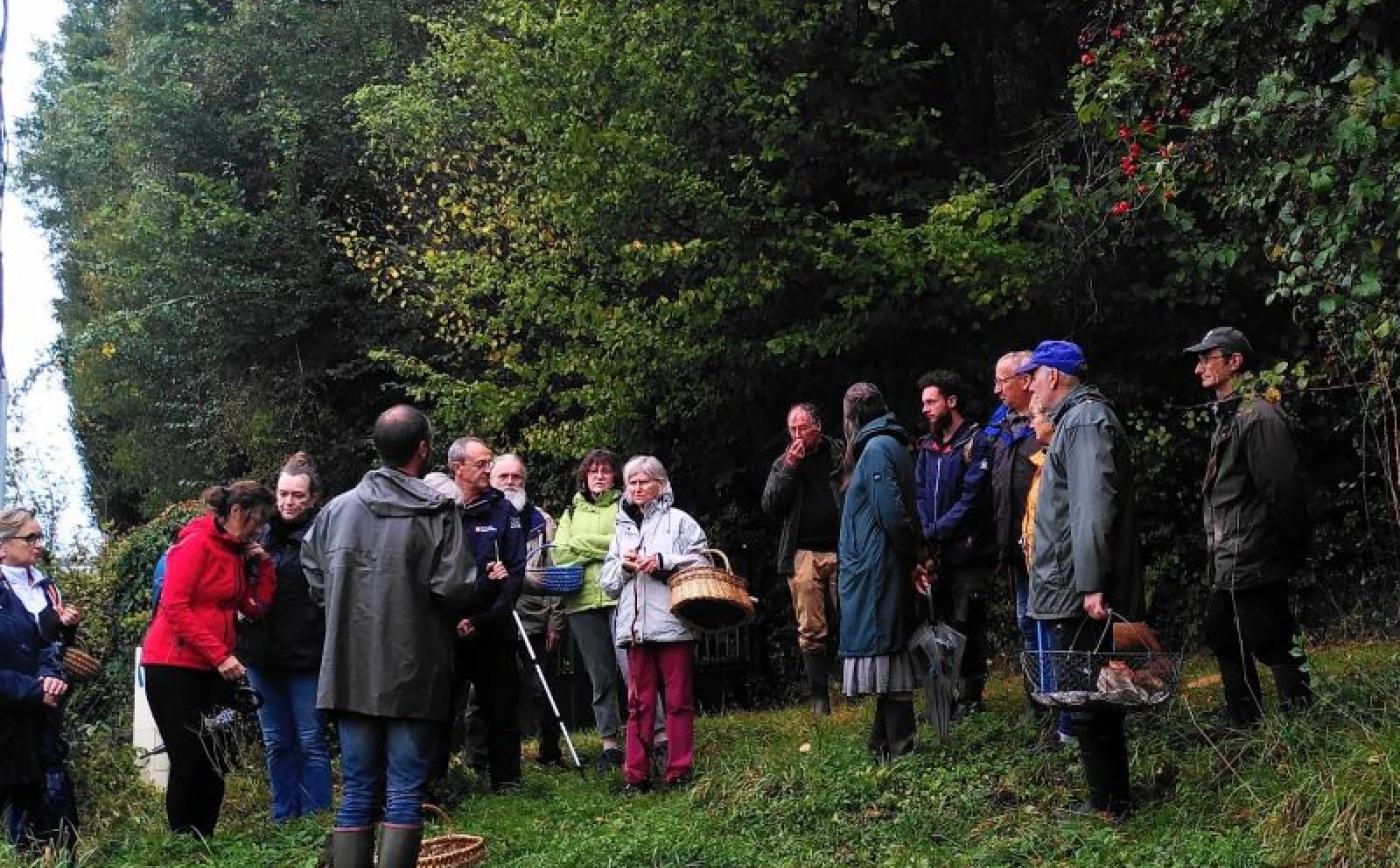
x: 653, y: 540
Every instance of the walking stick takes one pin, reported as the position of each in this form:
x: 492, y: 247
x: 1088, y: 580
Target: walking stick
x: 553, y: 706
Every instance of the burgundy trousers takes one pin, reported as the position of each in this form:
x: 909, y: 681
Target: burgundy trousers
x: 669, y: 663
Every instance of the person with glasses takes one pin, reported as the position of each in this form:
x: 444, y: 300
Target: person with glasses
x: 214, y: 572
x: 1085, y: 562
x: 1256, y: 523
x: 652, y: 541
x: 486, y: 645
x: 35, y: 623
x: 584, y: 536
x: 804, y: 493
x: 283, y: 654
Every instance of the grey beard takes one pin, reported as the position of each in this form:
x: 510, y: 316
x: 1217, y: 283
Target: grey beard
x: 516, y: 496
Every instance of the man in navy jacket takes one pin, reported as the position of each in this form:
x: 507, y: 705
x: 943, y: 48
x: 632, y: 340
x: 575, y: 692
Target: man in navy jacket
x: 952, y: 477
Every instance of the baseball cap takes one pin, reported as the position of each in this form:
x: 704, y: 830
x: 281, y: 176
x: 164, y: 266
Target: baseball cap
x: 1226, y: 338
x: 1061, y: 355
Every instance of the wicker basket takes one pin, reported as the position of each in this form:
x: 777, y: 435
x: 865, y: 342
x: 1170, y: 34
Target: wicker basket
x: 80, y: 665
x: 453, y: 850
x: 710, y: 598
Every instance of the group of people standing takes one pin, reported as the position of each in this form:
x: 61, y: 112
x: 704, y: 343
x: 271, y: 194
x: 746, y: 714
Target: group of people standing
x: 401, y: 608
x: 396, y: 605
x: 1038, y: 500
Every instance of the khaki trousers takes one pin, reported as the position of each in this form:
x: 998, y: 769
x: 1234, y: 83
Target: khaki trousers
x: 813, y: 585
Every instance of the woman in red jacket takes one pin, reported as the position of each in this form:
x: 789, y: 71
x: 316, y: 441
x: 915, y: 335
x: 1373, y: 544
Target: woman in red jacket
x: 213, y: 572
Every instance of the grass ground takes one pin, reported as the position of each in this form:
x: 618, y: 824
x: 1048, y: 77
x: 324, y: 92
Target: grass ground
x: 778, y: 788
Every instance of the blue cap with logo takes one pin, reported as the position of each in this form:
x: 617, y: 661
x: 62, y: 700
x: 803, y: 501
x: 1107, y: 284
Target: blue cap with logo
x: 1063, y: 356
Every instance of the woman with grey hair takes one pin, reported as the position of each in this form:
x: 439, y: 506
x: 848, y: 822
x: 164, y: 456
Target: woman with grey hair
x: 878, y: 550
x: 34, y: 625
x: 653, y: 540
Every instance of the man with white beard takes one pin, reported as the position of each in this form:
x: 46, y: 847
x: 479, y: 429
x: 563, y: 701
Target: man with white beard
x: 541, y: 614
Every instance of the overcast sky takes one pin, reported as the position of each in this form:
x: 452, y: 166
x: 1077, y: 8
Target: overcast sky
x: 44, y: 434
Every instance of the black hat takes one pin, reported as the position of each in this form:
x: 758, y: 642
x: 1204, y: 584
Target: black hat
x: 1226, y: 338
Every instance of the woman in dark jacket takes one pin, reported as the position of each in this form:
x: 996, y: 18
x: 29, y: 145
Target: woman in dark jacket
x: 283, y: 654
x: 33, y: 780
x: 878, y: 550
x: 213, y: 573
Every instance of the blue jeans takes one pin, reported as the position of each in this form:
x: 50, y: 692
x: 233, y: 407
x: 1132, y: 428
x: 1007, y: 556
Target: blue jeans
x: 384, y: 760
x: 294, y: 738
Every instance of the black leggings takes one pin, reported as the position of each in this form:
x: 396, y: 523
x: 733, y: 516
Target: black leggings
x: 180, y: 699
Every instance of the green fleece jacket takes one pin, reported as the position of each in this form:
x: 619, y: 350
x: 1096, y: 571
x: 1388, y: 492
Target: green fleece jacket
x: 585, y: 531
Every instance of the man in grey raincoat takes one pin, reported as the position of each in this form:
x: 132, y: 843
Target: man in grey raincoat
x: 390, y: 562
x: 1085, y: 562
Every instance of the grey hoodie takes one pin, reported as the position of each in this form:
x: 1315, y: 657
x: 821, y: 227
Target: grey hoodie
x: 391, y: 565
x: 644, y: 599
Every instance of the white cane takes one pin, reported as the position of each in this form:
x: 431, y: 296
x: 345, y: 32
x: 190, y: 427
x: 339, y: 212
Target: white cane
x: 554, y: 706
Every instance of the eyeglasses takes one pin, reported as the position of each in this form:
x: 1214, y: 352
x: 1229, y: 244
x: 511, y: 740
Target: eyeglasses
x: 476, y: 465
x: 31, y: 538
x: 1002, y: 381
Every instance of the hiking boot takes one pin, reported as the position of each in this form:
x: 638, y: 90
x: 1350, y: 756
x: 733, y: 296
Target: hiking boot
x: 611, y: 758
x: 818, y: 674
x: 635, y: 789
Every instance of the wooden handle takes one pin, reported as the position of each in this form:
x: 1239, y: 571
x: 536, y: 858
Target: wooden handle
x: 437, y: 813
x: 722, y: 556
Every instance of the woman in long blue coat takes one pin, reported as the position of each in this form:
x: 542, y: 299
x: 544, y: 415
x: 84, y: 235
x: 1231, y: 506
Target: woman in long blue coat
x: 879, y: 553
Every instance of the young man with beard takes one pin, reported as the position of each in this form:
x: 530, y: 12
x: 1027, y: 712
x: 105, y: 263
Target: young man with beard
x: 952, y: 484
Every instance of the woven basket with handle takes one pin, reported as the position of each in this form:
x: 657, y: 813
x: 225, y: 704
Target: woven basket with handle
x: 453, y: 850
x: 711, y: 598
x: 80, y: 665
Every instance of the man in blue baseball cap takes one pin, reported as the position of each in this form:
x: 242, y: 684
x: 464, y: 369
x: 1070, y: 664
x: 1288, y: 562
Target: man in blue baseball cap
x: 1085, y: 563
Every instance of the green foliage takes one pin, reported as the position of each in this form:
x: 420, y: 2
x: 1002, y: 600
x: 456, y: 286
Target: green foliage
x: 623, y: 220
x: 188, y: 161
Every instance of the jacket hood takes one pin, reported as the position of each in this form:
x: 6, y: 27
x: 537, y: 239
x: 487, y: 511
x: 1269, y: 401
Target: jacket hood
x: 386, y: 493
x: 886, y: 425
x: 205, y: 526
x: 1081, y: 394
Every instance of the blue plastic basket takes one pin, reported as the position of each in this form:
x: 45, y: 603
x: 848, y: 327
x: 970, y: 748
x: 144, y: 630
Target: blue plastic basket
x: 559, y: 581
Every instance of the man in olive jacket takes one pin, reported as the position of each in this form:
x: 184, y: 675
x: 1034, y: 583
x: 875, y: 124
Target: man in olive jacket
x: 390, y: 562
x: 804, y: 491
x: 1085, y: 563
x: 1257, y: 528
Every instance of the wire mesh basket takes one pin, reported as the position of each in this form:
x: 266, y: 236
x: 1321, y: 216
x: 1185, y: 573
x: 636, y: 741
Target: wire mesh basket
x: 1124, y: 680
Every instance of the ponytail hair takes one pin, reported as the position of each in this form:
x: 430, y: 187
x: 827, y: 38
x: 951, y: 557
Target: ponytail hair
x: 301, y: 464
x: 220, y: 499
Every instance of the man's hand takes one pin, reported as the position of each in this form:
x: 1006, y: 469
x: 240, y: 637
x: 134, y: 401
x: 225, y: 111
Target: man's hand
x: 53, y: 689
x: 1094, y: 606
x: 796, y: 451
x: 69, y: 616
x: 496, y: 571
x: 551, y: 639
x: 465, y: 628
x: 231, y: 669
x: 922, y: 580
x: 254, y: 552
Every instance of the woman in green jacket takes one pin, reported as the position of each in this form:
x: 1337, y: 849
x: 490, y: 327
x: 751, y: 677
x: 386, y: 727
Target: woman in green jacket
x: 584, y: 534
